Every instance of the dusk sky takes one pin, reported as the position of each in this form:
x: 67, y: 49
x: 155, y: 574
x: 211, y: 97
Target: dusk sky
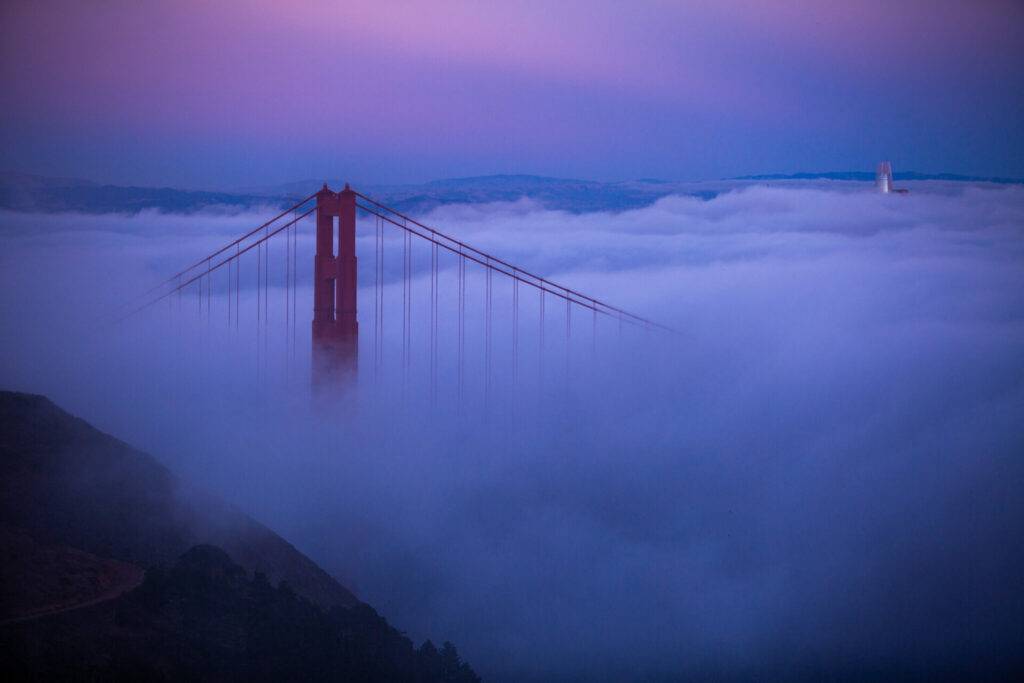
x: 198, y: 94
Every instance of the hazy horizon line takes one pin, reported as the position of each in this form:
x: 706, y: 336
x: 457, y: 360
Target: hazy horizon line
x: 841, y: 175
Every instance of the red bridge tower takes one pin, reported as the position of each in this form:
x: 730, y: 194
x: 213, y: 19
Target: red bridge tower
x: 335, y: 328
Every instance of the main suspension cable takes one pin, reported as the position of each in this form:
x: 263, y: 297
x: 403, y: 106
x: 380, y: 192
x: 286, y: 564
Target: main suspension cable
x: 506, y: 268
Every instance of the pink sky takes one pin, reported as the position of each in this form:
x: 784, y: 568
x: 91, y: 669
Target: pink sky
x: 207, y: 93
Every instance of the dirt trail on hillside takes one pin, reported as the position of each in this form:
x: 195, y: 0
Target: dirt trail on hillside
x: 131, y: 581
x: 38, y: 579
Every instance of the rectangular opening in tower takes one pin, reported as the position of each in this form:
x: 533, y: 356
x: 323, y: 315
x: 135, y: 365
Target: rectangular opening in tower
x: 336, y: 235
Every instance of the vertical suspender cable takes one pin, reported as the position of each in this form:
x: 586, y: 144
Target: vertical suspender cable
x: 540, y: 342
x: 406, y: 304
x: 266, y: 298
x: 408, y: 310
x: 405, y: 301
x: 568, y: 334
x: 515, y: 328
x: 381, y: 341
x: 376, y: 291
x: 380, y: 316
x: 433, y: 319
x: 295, y: 285
x: 287, y: 296
x: 259, y: 286
x: 179, y: 383
x: 437, y: 318
x: 462, y: 318
x: 259, y: 306
x: 290, y: 293
x: 487, y: 336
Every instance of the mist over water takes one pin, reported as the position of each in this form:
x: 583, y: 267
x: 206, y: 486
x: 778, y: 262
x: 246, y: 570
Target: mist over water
x: 821, y: 471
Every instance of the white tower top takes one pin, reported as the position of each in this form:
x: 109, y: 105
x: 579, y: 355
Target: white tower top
x: 883, y: 177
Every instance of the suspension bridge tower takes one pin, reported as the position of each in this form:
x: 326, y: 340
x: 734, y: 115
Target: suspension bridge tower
x: 335, y: 328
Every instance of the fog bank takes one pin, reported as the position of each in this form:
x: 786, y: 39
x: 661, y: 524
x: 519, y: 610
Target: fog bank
x: 821, y: 472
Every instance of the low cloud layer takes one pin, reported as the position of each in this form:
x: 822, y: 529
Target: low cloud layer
x: 820, y: 473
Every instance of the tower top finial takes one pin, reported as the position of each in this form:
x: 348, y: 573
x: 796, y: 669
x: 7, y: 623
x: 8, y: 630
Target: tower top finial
x: 347, y: 187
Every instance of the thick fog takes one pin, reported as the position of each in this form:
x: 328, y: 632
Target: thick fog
x: 820, y: 470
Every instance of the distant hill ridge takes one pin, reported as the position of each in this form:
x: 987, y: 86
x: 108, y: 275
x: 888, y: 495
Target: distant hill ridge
x: 30, y: 193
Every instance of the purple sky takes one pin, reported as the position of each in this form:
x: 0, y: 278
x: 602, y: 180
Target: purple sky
x: 225, y: 94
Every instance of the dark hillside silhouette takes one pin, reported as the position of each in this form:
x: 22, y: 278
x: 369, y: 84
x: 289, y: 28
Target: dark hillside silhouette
x: 206, y: 618
x: 66, y: 483
x: 223, y: 597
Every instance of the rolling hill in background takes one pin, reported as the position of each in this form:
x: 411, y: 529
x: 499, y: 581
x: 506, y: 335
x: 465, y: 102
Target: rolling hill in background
x: 113, y: 568
x: 21, y: 192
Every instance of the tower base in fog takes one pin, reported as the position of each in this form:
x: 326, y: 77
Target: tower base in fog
x: 335, y: 358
